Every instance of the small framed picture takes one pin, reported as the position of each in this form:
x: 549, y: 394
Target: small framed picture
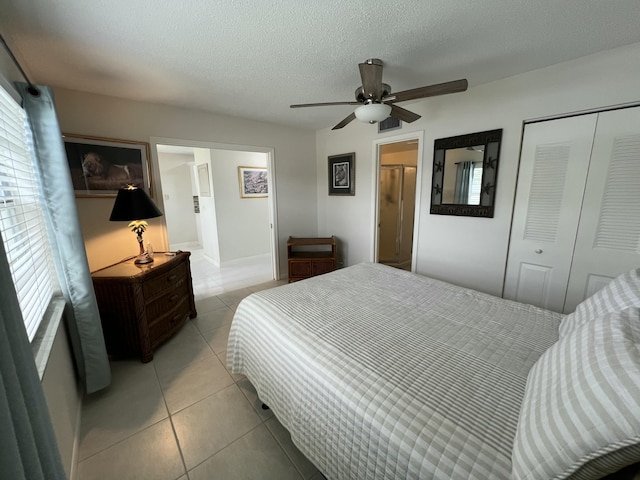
x: 203, y: 180
x: 101, y: 166
x: 342, y: 174
x: 253, y: 182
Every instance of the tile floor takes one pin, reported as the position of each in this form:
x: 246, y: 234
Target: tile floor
x: 183, y: 416
x: 210, y: 280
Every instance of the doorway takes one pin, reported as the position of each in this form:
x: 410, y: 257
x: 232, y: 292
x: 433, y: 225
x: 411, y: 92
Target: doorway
x: 396, y: 202
x: 231, y: 235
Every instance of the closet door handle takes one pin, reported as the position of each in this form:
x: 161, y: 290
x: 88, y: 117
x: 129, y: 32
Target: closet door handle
x: 538, y: 250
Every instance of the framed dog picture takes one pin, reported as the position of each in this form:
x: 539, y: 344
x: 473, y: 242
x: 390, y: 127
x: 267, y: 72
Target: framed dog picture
x: 342, y: 174
x: 101, y: 166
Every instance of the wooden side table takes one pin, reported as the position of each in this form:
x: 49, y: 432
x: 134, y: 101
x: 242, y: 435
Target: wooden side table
x: 141, y: 306
x: 308, y: 257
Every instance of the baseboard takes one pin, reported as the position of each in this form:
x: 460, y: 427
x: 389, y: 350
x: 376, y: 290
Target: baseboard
x: 244, y: 260
x: 187, y: 246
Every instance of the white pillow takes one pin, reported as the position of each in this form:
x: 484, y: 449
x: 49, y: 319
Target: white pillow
x: 621, y: 292
x: 580, y: 416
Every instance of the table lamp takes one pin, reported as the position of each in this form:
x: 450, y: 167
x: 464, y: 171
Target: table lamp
x: 134, y: 205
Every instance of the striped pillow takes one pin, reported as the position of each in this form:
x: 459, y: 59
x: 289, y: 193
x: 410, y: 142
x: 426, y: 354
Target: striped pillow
x: 580, y: 416
x: 621, y: 292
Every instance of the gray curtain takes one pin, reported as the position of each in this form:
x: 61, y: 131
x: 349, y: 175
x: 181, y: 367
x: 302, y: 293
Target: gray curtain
x: 69, y: 253
x: 463, y: 182
x: 28, y: 448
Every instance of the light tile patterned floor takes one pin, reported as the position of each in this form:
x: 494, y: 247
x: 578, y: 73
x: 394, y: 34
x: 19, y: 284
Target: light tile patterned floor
x: 210, y: 280
x: 183, y: 416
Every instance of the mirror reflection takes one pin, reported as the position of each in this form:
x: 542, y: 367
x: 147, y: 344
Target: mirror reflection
x: 462, y: 182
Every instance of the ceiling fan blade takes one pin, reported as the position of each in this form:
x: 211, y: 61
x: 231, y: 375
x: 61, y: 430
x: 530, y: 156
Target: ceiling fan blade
x: 403, y: 114
x: 431, y: 91
x: 325, y: 104
x: 344, y: 122
x: 371, y: 75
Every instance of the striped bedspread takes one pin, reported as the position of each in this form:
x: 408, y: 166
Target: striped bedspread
x: 381, y: 373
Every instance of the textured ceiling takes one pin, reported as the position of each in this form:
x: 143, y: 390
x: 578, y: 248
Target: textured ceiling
x: 254, y: 58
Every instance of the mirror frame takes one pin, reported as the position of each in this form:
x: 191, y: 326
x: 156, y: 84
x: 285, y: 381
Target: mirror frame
x: 491, y: 140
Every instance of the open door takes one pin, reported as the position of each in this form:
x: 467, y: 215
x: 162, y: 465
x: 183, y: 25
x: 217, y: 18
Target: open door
x: 216, y: 229
x: 396, y: 203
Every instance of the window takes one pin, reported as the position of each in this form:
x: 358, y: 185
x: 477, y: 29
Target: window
x: 22, y: 222
x: 475, y: 185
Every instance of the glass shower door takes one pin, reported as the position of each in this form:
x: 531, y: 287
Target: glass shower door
x: 389, y: 214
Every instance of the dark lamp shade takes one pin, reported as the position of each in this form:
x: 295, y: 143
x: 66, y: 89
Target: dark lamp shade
x: 133, y: 204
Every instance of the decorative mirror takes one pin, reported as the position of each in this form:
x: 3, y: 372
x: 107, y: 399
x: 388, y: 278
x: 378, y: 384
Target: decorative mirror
x: 465, y: 171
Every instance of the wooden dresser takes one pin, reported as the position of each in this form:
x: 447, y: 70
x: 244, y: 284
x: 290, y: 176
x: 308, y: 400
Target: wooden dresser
x: 309, y: 257
x: 141, y: 306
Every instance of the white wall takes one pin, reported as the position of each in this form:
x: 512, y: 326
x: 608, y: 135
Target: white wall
x: 596, y: 81
x: 194, y: 189
x: 243, y: 223
x: 295, y: 169
x: 63, y: 394
x: 208, y: 216
x: 399, y: 158
x: 177, y: 196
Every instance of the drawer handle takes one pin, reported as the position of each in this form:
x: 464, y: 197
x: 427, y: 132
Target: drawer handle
x: 172, y: 277
x: 174, y: 320
x: 173, y: 297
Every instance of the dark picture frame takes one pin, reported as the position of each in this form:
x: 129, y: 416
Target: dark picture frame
x: 100, y: 166
x: 342, y: 174
x: 253, y: 182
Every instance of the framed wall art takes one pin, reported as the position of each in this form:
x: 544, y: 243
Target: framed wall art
x: 203, y: 180
x: 253, y: 182
x: 101, y: 166
x: 342, y: 176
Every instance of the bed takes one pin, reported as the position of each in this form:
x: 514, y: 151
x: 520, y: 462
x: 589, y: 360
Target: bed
x: 379, y: 373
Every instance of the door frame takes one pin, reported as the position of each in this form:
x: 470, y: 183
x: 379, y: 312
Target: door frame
x: 375, y: 191
x: 271, y: 183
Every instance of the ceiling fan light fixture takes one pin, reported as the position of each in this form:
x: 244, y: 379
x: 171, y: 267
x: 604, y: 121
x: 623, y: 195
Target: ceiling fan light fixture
x: 373, y: 112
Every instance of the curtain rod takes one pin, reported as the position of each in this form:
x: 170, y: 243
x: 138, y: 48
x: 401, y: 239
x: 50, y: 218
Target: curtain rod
x: 32, y: 89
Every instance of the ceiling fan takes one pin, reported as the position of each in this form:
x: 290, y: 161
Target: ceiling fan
x: 376, y: 102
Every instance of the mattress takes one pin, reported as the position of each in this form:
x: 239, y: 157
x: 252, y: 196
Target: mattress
x: 381, y: 373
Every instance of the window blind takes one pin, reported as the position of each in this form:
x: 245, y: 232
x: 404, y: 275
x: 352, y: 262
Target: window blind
x: 475, y: 186
x: 22, y: 222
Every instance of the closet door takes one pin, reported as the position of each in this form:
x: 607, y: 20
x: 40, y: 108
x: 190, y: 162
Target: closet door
x: 608, y: 239
x: 553, y: 170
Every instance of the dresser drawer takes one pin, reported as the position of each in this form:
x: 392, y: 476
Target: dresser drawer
x: 168, y: 300
x: 166, y: 281
x: 163, y: 327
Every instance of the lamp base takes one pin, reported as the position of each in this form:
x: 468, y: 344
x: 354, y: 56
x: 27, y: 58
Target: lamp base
x: 143, y: 259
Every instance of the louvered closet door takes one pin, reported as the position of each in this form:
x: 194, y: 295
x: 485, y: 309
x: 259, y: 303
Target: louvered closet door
x: 608, y: 240
x: 553, y: 169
